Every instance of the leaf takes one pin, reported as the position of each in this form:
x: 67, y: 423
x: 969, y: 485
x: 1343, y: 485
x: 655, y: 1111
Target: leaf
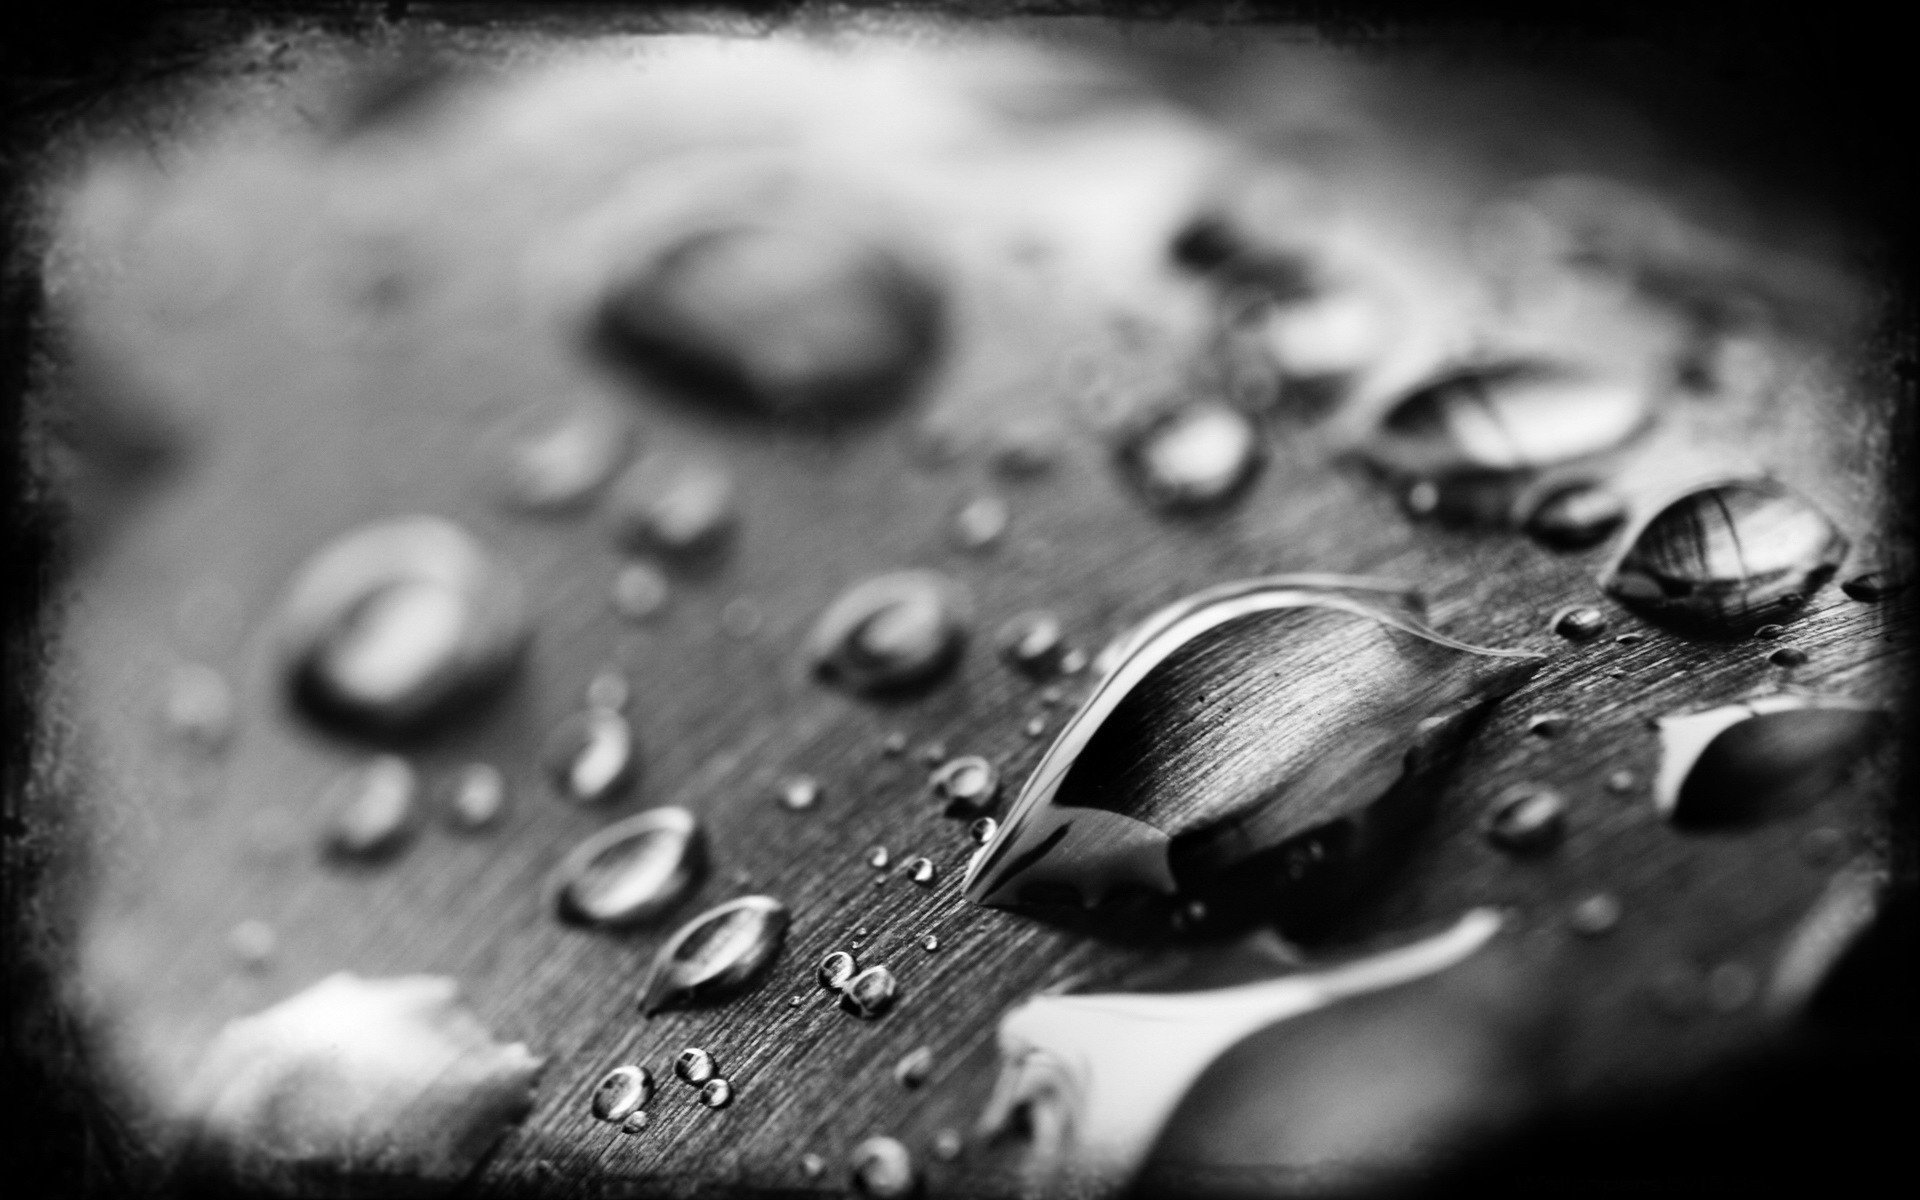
x: 719, y: 952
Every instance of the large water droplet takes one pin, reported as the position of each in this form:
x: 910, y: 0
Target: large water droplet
x: 965, y: 786
x: 719, y: 952
x: 694, y: 1066
x: 1576, y: 516
x: 786, y: 320
x: 476, y: 796
x: 591, y: 756
x: 396, y: 624
x: 883, y: 1170
x: 1739, y: 764
x: 981, y: 522
x: 1193, y: 458
x: 673, y: 505
x: 1033, y: 643
x: 560, y: 467
x: 1727, y: 557
x: 199, y: 708
x: 622, y: 1092
x: 371, y: 809
x: 632, y: 871
x: 1526, y: 819
x: 870, y: 993
x: 891, y: 633
x: 913, y: 1068
x: 1869, y: 588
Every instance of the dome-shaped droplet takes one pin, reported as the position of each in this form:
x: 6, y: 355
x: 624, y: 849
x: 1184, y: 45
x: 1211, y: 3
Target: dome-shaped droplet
x: 1526, y: 819
x: 1595, y: 915
x: 674, y: 505
x: 621, y: 1092
x: 1193, y: 458
x: 632, y: 871
x: 1507, y: 417
x: 912, y: 1069
x: 1869, y: 587
x: 640, y: 591
x: 891, y: 633
x: 1576, y: 516
x: 1788, y: 656
x: 878, y: 858
x: 1033, y: 644
x: 982, y: 830
x: 800, y: 793
x: 835, y: 970
x: 1740, y: 764
x: 947, y: 1145
x: 965, y: 785
x: 721, y: 951
x: 981, y: 522
x: 1548, y: 725
x: 636, y: 1122
x: 930, y: 943
x: 870, y: 993
x: 812, y: 1166
x: 1727, y: 557
x: 590, y: 756
x: 883, y: 1170
x: 1580, y: 623
x: 199, y: 708
x: 920, y: 870
x: 807, y: 322
x: 1025, y: 449
x: 371, y: 810
x: 559, y: 467
x: 398, y: 623
x: 476, y: 796
x: 694, y: 1066
x: 716, y: 1093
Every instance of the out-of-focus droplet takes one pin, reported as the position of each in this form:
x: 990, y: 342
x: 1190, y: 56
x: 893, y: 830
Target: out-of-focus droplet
x: 800, y: 793
x: 1595, y: 915
x: 1731, y: 986
x: 1548, y: 725
x: 1823, y: 846
x: 253, y: 943
x: 398, y: 623
x: 559, y: 468
x: 673, y: 505
x: 1033, y: 643
x: 883, y: 1170
x: 878, y: 858
x: 1788, y: 656
x: 590, y: 756
x: 609, y: 690
x: 929, y: 943
x: 894, y: 744
x: 1526, y: 819
x: 1739, y: 764
x: 1505, y: 418
x: 199, y: 708
x: 1580, y: 623
x: 636, y: 1122
x: 920, y: 870
x: 804, y: 322
x: 741, y: 618
x: 694, y: 1066
x: 965, y: 786
x: 835, y: 970
x: 719, y: 952
x: 912, y: 1070
x: 622, y: 1092
x: 1727, y: 557
x: 1035, y: 727
x: 371, y: 809
x: 812, y: 1166
x: 1052, y: 695
x: 1621, y: 782
x: 1768, y: 633
x: 640, y: 591
x: 1820, y: 941
x: 1576, y: 516
x: 891, y: 633
x: 870, y: 993
x: 1329, y: 334
x: 1869, y: 588
x: 981, y: 522
x: 632, y: 871
x: 716, y: 1092
x: 476, y: 796
x: 933, y: 753
x: 982, y: 830
x: 1193, y: 458
x: 1025, y: 449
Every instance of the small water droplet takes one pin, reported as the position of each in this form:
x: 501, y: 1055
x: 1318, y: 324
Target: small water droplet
x: 1421, y: 499
x: 1073, y: 662
x: 740, y: 618
x: 558, y: 468
x: 1595, y: 915
x: 920, y: 870
x: 636, y: 1122
x: 372, y: 809
x: 794, y: 1001
x: 622, y: 1092
x: 929, y: 943
x: 609, y: 690
x: 800, y: 793
x: 674, y: 505
x: 1576, y: 516
x: 1025, y: 449
x: 253, y: 943
x: 891, y: 633
x: 983, y: 830
x: 1527, y: 818
x: 1678, y: 991
x: 1823, y: 846
x: 693, y: 1066
x: 1579, y: 623
x: 1728, y: 557
x: 640, y: 591
x: 1621, y: 782
x: 1036, y: 727
x: 590, y: 756
x: 1788, y: 656
x: 1768, y: 633
x: 1731, y: 986
x: 1033, y: 643
x: 883, y: 1170
x: 981, y: 522
x: 878, y: 858
x: 716, y: 1092
x: 894, y: 744
x: 869, y: 993
x: 1630, y: 639
x: 1548, y: 725
x: 199, y: 708
x: 947, y: 1145
x: 1193, y: 458
x: 835, y: 970
x: 476, y: 796
x: 721, y: 951
x: 965, y: 785
x: 1052, y: 695
x: 631, y: 871
x: 1869, y: 588
x: 812, y: 1166
x: 913, y: 1068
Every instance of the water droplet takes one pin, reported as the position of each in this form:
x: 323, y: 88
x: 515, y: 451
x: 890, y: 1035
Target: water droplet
x: 1788, y: 656
x: 1768, y: 633
x: 253, y: 943
x: 622, y: 1092
x: 835, y: 970
x: 1678, y: 991
x: 590, y: 756
x: 913, y: 1068
x: 920, y: 870
x: 1193, y: 458
x: 609, y: 690
x: 1731, y: 986
x: 1073, y: 662
x: 694, y: 1066
x: 983, y: 830
x: 1727, y: 557
x: 1621, y: 782
x: 1548, y: 725
x: 812, y: 1166
x: 199, y: 708
x: 981, y: 522
x: 929, y: 943
x: 1741, y: 763
x: 1330, y: 334
x: 1033, y: 643
x: 883, y: 1170
x: 933, y: 753
x: 372, y: 809
x: 1823, y: 846
x: 1052, y: 695
x: 640, y: 591
x: 740, y: 618
x: 947, y: 1145
x: 1595, y: 915
x: 1576, y: 516
x: 1579, y: 623
x: 399, y: 624
x: 1036, y: 727
x: 716, y: 1092
x: 788, y: 320
x: 878, y: 858
x: 632, y: 871
x: 966, y: 785
x: 673, y: 505
x: 800, y: 793
x: 558, y: 468
x: 894, y: 744
x: 794, y: 1001
x: 476, y: 797
x: 636, y: 1122
x: 891, y: 633
x: 1869, y: 588
x: 1025, y: 449
x: 1526, y: 819
x: 869, y: 993
x: 1630, y: 639
x: 1421, y: 499
x: 1505, y: 418
x: 721, y: 951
